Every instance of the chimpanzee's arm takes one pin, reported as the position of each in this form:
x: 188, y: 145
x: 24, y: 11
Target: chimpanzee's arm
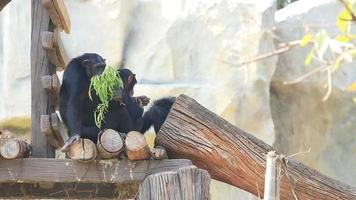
x: 74, y: 108
x: 135, y: 110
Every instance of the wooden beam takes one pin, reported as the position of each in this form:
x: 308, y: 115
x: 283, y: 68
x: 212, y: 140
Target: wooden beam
x: 52, y: 84
x: 47, y: 130
x: 3, y: 3
x: 53, y: 45
x: 233, y: 156
x: 36, y: 170
x: 68, y: 190
x: 58, y: 44
x: 54, y: 129
x: 40, y: 102
x: 58, y: 13
x: 188, y: 183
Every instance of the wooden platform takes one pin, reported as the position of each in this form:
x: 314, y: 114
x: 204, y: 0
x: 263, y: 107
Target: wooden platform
x: 62, y: 178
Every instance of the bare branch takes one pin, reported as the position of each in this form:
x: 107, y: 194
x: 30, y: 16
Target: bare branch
x: 282, y: 47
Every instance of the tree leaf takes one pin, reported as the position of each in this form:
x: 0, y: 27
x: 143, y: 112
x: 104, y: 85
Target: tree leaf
x: 322, y: 43
x: 309, y: 57
x: 306, y: 39
x: 352, y: 87
x: 342, y: 38
x: 344, y: 20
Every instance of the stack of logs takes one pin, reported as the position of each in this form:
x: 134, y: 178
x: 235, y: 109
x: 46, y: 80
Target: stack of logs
x: 111, y: 144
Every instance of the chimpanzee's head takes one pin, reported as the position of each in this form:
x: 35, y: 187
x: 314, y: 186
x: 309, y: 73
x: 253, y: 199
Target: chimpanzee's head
x: 129, y: 80
x: 93, y: 63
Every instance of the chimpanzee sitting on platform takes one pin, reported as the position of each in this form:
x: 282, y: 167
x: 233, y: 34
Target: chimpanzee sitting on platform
x: 77, y: 110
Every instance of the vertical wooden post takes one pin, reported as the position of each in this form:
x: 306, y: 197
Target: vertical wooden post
x: 272, y: 177
x: 40, y: 100
x: 188, y: 183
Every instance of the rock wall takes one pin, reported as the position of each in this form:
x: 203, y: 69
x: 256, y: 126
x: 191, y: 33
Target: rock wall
x: 15, y: 42
x: 302, y: 120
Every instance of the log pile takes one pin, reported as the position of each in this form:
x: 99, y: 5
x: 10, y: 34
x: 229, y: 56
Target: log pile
x: 111, y: 144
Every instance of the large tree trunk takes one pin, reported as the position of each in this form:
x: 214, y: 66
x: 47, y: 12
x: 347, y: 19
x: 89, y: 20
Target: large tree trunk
x: 3, y: 3
x: 233, y: 156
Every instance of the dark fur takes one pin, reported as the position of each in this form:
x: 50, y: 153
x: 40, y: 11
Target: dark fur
x: 77, y: 110
x: 157, y: 114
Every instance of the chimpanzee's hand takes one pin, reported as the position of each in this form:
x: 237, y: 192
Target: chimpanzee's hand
x: 69, y: 142
x: 119, y: 97
x: 142, y: 100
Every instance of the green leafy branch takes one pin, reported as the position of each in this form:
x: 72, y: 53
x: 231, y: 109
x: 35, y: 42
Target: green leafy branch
x: 105, y: 87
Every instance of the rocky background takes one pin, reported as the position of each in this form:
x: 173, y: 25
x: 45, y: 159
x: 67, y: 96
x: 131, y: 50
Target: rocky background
x: 196, y: 47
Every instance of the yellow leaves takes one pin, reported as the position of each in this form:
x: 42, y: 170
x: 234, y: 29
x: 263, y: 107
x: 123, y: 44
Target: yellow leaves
x: 342, y: 38
x: 306, y: 39
x: 352, y: 87
x: 344, y: 20
x: 309, y: 57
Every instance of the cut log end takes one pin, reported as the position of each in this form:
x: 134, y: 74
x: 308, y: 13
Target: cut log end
x: 137, y: 146
x: 12, y: 148
x: 82, y: 150
x: 110, y: 144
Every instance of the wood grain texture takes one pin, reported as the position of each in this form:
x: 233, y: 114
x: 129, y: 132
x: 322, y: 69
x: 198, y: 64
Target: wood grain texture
x: 188, y: 183
x: 82, y: 150
x: 233, y: 156
x: 11, y: 148
x: 40, y: 101
x: 110, y: 144
x: 35, y: 170
x: 58, y: 14
x: 54, y: 49
x: 68, y: 191
x: 137, y: 146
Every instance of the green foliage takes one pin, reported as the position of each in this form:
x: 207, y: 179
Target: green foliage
x: 105, y: 87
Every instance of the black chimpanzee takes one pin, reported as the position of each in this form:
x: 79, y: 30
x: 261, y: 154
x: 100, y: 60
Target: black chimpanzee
x: 157, y: 114
x: 77, y: 110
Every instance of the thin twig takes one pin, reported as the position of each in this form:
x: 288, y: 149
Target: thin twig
x: 283, y: 47
x: 328, y: 92
x: 290, y: 179
x: 307, y: 75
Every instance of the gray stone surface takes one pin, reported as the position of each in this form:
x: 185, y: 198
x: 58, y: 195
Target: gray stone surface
x: 302, y: 120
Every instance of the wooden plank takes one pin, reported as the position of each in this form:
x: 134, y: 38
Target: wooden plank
x: 188, y: 183
x: 35, y: 170
x: 52, y: 51
x: 40, y: 100
x: 52, y: 84
x: 68, y: 191
x: 59, y: 129
x: 60, y: 51
x: 58, y: 13
x: 48, y: 131
x: 54, y: 129
x: 233, y: 156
